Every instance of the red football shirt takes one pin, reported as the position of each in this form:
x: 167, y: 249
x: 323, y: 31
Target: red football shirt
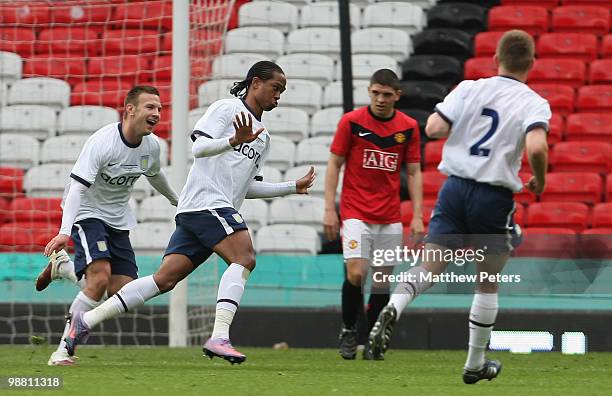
x: 374, y: 150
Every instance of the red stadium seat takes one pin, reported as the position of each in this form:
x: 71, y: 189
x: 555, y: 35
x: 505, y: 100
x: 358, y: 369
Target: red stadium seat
x: 606, y: 46
x: 600, y: 71
x: 549, y: 4
x: 36, y: 210
x: 432, y: 182
x: 485, y: 43
x: 433, y: 154
x: 525, y: 196
x: 24, y: 13
x: 589, y: 126
x: 18, y: 40
x: 519, y: 215
x: 125, y: 68
x: 532, y: 19
x: 602, y: 215
x: 162, y: 68
x: 11, y: 182
x: 100, y: 93
x: 581, y: 19
x: 93, y: 14
x: 581, y: 157
x: 571, y: 72
x: 596, y: 243
x: 476, y: 68
x: 560, y: 97
x: 130, y: 41
x: 4, y: 212
x: 156, y: 15
x: 572, y: 215
x: 556, y: 129
x: 573, y: 187
x: 71, y: 69
x: 594, y: 99
x: 609, y: 187
x: 582, y: 46
x: 597, y: 3
x: 548, y: 242
x: 33, y: 238
x: 68, y: 40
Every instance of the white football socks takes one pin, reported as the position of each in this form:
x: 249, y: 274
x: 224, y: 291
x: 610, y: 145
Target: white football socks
x: 81, y: 303
x: 482, y: 319
x: 405, y: 292
x: 132, y: 295
x: 230, y: 292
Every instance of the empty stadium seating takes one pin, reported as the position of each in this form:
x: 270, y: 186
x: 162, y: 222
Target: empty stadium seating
x: 573, y: 187
x: 283, y: 16
x: 255, y: 213
x: 600, y: 71
x: 439, y: 68
x: 151, y: 238
x: 326, y: 14
x: 35, y: 210
x: 485, y: 43
x: 234, y: 66
x: 298, y: 209
x: 532, y: 19
x: 405, y: 16
x: 573, y: 215
x: 385, y: 41
x: 261, y: 40
x: 289, y: 122
x: 482, y: 67
x: 581, y: 157
x: 34, y: 120
x: 62, y: 149
x: 85, y: 119
x: 558, y: 71
x: 468, y: 17
x: 68, y: 40
x: 548, y: 242
x: 421, y: 94
x: 315, y: 67
x: 40, y: 91
x: 594, y: 98
x: 282, y: 153
x: 332, y: 94
x: 321, y: 40
x: 589, y: 126
x: 602, y: 215
x: 18, y: 150
x: 365, y: 65
x: 313, y: 151
x: 10, y: 66
x: 580, y: 18
x: 324, y: 122
x: 287, y: 239
x: 433, y: 154
x: 453, y: 42
x: 582, y: 46
x: 155, y: 209
x: 11, y: 182
x: 303, y: 94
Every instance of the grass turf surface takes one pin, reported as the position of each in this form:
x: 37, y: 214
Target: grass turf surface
x: 150, y: 371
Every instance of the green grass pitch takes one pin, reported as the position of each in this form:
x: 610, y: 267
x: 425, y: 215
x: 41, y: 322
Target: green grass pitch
x: 134, y: 371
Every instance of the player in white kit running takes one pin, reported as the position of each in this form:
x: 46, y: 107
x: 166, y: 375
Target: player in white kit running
x: 230, y: 147
x: 96, y: 210
x: 488, y: 122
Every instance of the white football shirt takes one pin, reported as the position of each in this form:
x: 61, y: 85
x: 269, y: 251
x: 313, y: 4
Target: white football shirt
x: 110, y: 166
x: 490, y: 118
x: 223, y: 180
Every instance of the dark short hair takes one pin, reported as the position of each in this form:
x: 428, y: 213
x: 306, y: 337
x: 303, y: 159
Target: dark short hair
x: 515, y: 51
x: 264, y: 70
x: 385, y: 77
x: 132, y: 96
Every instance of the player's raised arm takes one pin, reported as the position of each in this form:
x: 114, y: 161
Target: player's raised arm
x: 261, y: 189
x: 208, y: 146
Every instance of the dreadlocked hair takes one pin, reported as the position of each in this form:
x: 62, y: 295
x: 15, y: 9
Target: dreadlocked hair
x: 264, y: 70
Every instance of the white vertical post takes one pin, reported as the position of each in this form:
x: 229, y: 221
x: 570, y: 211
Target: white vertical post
x: 177, y: 319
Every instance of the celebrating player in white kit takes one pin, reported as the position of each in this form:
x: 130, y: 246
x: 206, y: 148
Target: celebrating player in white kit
x: 230, y: 147
x: 96, y: 210
x: 488, y: 123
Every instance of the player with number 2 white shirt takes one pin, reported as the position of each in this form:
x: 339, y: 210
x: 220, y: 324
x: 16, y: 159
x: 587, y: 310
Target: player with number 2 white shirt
x: 230, y: 147
x: 488, y: 122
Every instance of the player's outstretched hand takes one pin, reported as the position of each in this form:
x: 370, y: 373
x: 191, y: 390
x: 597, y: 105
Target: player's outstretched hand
x: 533, y: 186
x: 303, y: 184
x: 56, y: 244
x: 243, y: 126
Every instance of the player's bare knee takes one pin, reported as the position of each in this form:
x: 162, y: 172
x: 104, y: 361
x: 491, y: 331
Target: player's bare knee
x: 164, y: 281
x: 248, y: 261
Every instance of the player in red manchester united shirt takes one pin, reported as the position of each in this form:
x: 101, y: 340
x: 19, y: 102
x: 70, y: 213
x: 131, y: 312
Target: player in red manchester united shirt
x: 372, y: 142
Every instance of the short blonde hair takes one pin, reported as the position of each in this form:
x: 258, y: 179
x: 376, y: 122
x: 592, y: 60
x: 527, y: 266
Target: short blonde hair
x: 515, y: 51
